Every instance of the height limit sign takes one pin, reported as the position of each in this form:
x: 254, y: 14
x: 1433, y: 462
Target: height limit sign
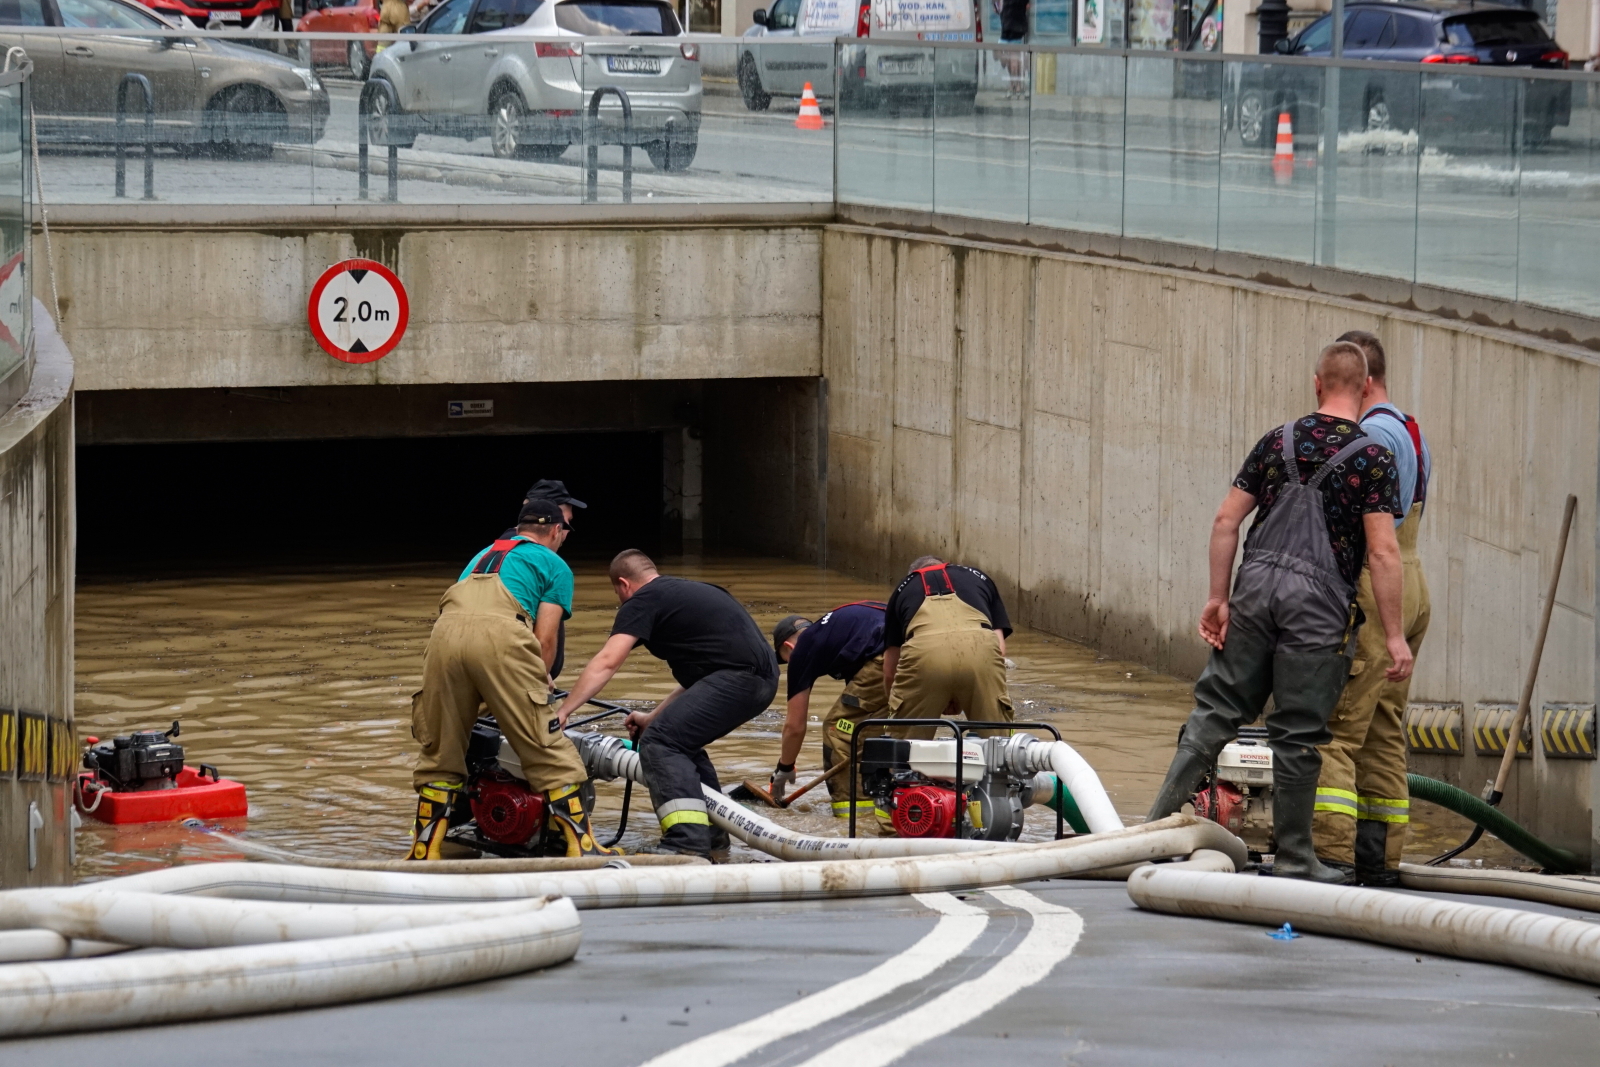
x: 358, y: 311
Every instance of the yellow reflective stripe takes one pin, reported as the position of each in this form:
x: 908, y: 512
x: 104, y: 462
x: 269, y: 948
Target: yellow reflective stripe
x: 1340, y: 801
x: 688, y: 818
x: 1384, y: 809
x: 841, y: 808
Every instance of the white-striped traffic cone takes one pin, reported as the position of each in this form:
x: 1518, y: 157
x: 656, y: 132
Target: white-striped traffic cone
x: 1283, y: 154
x: 810, y: 117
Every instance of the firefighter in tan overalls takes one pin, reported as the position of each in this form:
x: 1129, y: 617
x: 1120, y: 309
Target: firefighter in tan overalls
x: 488, y: 645
x: 944, y: 639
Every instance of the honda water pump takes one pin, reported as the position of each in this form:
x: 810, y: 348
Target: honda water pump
x: 508, y: 817
x: 1239, y: 794
x: 915, y: 781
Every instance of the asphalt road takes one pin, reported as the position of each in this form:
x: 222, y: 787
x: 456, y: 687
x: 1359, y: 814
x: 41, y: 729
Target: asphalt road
x: 1051, y: 973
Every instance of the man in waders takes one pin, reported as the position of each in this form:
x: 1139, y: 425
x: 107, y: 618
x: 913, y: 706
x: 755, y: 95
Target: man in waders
x: 846, y: 643
x: 1363, y: 804
x: 488, y: 646
x: 1324, y: 495
x: 944, y: 641
x: 726, y: 676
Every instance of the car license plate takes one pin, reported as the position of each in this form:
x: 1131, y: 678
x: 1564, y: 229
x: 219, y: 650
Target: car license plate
x: 890, y: 65
x: 633, y: 64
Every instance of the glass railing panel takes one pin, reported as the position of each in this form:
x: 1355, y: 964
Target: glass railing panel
x: 1267, y: 204
x: 1171, y: 163
x: 16, y: 283
x: 1075, y: 134
x: 884, y: 135
x: 981, y: 133
x: 757, y: 141
x: 1558, y: 236
x: 1367, y: 215
x: 1467, y: 182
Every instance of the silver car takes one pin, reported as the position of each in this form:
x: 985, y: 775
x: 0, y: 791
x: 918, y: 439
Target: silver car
x: 523, y: 73
x: 206, y: 91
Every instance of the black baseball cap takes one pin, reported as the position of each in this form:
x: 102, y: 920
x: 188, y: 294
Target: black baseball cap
x: 786, y: 629
x: 542, y: 511
x: 551, y: 489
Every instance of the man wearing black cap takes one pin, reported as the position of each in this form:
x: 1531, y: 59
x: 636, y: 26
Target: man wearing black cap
x: 726, y: 676
x: 554, y: 490
x: 487, y: 646
x: 846, y: 643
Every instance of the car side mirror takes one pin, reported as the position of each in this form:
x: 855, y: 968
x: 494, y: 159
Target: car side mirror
x: 759, y: 16
x: 1284, y: 47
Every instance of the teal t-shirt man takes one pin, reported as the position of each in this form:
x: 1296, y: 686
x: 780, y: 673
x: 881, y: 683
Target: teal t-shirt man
x: 534, y: 575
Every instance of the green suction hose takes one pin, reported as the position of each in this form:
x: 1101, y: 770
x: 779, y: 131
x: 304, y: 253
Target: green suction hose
x: 1061, y: 800
x: 1494, y: 821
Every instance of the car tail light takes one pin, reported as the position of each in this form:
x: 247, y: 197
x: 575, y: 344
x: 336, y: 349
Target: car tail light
x: 1450, y: 57
x: 1556, y: 56
x: 551, y: 50
x: 691, y: 52
x: 864, y: 19
x: 372, y: 16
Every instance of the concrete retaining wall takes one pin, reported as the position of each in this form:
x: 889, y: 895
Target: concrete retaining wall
x: 1070, y: 424
x: 505, y: 305
x: 38, y: 749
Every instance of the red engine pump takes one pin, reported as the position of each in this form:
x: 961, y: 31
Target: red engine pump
x: 1229, y: 806
x: 924, y: 811
x: 506, y: 810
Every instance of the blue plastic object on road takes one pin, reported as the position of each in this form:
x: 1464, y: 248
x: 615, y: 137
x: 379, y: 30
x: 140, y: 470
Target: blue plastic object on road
x: 1283, y: 933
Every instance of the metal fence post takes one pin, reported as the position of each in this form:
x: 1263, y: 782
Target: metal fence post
x: 591, y: 141
x: 149, y: 135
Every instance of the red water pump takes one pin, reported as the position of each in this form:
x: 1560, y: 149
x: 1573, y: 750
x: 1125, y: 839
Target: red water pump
x: 924, y: 811
x: 1228, y: 808
x: 506, y: 810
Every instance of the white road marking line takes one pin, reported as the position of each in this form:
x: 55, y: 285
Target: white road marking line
x: 958, y: 927
x: 1054, y: 935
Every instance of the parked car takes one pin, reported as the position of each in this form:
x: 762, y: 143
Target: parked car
x: 1445, y: 36
x: 794, y: 38
x: 260, y: 16
x: 207, y: 91
x: 481, y: 71
x: 358, y: 17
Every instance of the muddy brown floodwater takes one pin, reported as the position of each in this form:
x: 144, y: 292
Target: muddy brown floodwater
x: 299, y: 685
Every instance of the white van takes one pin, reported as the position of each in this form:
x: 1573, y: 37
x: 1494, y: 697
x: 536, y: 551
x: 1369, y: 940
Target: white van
x: 794, y: 38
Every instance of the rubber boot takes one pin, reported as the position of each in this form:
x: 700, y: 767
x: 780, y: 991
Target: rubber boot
x: 565, y: 806
x: 1183, y: 779
x: 1291, y: 825
x: 436, y: 804
x: 1372, y: 845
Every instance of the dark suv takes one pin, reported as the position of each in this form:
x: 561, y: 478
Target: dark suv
x: 1440, y: 34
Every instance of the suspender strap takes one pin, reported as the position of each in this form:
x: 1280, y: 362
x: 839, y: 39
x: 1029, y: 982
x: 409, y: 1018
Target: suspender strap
x: 1338, y: 457
x: 1414, y: 431
x: 492, y: 559
x: 936, y: 581
x: 1291, y: 467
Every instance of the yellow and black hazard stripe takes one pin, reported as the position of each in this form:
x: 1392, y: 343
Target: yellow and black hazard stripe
x: 1434, y: 729
x: 8, y: 742
x: 1568, y: 731
x: 33, y: 747
x: 1491, y: 729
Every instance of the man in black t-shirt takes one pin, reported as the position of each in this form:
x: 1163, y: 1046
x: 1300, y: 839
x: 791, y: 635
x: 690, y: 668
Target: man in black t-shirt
x: 944, y: 637
x: 847, y: 644
x: 1324, y: 498
x: 726, y: 676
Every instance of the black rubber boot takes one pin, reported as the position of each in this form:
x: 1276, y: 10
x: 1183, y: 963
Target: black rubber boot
x: 1372, y: 843
x: 1183, y: 778
x: 1292, y: 803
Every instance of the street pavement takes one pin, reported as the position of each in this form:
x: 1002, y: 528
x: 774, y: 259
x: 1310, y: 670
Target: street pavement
x: 1047, y: 973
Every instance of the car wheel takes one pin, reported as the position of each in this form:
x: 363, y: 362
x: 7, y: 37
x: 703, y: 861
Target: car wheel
x: 247, y: 121
x: 1378, y: 116
x: 672, y: 155
x: 384, y: 125
x: 360, y: 62
x: 507, y: 114
x: 755, y: 97
x: 1252, y: 112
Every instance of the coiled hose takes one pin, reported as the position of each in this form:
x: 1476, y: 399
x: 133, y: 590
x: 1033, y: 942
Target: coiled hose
x: 1494, y: 821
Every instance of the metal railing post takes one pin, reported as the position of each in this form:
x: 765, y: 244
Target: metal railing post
x: 364, y: 139
x: 591, y: 141
x: 362, y: 136
x: 149, y: 135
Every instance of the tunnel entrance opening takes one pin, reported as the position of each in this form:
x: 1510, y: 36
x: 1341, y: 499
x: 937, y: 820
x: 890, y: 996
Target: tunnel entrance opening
x: 239, y: 505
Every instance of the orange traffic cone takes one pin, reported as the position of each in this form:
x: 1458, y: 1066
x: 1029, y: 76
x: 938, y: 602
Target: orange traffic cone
x: 810, y: 117
x: 1283, y: 154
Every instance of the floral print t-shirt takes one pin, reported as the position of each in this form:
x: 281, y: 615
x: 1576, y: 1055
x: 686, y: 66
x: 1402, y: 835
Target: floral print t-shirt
x: 1365, y: 482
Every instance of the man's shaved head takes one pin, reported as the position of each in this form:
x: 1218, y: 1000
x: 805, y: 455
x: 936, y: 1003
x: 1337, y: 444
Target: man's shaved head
x: 632, y: 564
x: 924, y: 561
x: 1342, y: 368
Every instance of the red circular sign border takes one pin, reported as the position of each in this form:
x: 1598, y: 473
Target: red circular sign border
x: 316, y: 295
